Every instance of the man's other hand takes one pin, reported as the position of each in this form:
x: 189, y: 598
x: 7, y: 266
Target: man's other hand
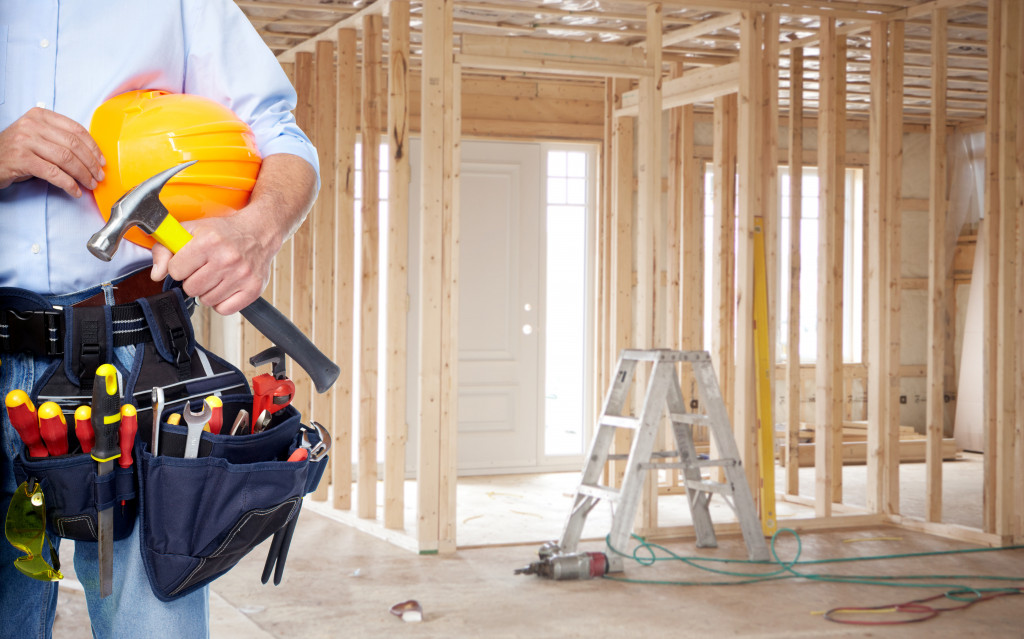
x: 51, y: 147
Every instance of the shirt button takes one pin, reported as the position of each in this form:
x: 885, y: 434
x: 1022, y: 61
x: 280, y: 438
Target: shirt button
x: 41, y: 105
x: 35, y: 248
x: 44, y: 43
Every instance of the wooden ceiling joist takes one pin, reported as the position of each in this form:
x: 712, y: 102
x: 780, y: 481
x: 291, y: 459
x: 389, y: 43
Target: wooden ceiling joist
x: 533, y: 37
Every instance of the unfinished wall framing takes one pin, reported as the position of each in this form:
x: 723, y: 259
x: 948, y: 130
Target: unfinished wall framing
x: 738, y: 84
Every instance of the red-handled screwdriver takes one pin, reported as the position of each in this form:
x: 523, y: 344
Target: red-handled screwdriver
x: 54, y: 428
x: 22, y: 413
x: 83, y: 428
x: 129, y: 425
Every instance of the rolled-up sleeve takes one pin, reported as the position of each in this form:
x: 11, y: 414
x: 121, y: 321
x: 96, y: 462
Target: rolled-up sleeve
x: 227, y: 61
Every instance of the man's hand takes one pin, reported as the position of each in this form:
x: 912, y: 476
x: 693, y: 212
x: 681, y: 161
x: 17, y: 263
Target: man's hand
x: 51, y: 147
x: 227, y: 263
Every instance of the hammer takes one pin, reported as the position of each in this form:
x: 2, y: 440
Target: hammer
x: 142, y: 207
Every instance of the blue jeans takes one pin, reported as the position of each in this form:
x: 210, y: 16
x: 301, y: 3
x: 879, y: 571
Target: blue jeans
x: 27, y: 606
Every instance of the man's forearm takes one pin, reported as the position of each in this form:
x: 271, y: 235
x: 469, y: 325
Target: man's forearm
x: 282, y: 197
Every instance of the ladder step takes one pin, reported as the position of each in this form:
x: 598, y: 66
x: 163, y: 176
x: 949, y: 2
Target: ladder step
x: 691, y: 418
x: 664, y: 355
x: 598, y: 492
x: 619, y: 421
x: 707, y: 486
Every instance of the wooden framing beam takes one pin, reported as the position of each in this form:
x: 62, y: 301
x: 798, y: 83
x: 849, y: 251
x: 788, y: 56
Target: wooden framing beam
x: 883, y: 206
x: 750, y: 198
x: 796, y: 172
x: 348, y: 124
x: 436, y: 464
x: 302, y: 241
x: 622, y: 162
x: 649, y: 328
x: 991, y: 229
x: 826, y: 430
x: 704, y: 27
x: 889, y: 432
x: 938, y: 200
x: 723, y: 243
x: 324, y: 228
x: 674, y: 223
x: 396, y: 429
x: 694, y: 86
x: 1010, y: 205
x: 552, y: 56
x: 691, y: 289
x: 837, y: 210
x: 353, y: 21
x: 370, y: 304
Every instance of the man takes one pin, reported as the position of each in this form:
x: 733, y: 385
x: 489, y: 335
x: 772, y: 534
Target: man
x: 59, y: 60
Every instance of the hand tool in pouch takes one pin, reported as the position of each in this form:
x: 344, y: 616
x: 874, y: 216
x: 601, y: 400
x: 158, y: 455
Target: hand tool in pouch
x: 157, y: 399
x: 106, y: 422
x: 83, y: 428
x: 196, y: 422
x: 241, y: 423
x: 282, y: 541
x: 216, y: 414
x: 23, y: 417
x: 129, y: 426
x: 142, y: 207
x: 53, y: 428
x: 271, y: 391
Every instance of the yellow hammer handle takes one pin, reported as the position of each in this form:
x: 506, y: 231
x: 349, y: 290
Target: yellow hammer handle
x: 172, y: 234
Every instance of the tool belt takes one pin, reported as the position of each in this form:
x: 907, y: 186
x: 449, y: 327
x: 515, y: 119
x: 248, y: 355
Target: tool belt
x: 198, y: 516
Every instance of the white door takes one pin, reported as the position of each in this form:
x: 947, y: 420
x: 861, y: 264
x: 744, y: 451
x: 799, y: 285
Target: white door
x: 500, y: 325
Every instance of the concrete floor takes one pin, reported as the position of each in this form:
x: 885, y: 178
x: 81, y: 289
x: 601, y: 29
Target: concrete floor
x: 341, y: 582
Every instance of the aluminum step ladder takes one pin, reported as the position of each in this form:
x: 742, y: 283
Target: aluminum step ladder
x: 664, y: 392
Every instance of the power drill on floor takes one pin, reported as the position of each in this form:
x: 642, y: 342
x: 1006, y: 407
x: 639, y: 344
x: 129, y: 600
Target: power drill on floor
x: 558, y: 566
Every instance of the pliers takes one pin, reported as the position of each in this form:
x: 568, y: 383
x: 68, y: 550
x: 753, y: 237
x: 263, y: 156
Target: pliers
x: 282, y: 541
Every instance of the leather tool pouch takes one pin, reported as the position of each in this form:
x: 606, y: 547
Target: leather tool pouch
x: 201, y: 515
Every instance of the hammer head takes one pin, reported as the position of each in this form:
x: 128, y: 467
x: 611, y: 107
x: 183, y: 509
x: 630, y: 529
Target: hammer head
x: 139, y: 207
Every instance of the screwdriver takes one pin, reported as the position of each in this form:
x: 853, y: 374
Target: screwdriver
x: 106, y: 418
x: 83, y: 428
x: 53, y: 428
x: 23, y: 417
x: 129, y: 425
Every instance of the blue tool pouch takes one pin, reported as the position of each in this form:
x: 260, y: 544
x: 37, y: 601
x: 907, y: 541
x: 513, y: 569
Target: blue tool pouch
x: 201, y: 515
x: 73, y: 491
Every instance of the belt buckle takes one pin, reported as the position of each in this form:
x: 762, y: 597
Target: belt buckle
x: 37, y: 332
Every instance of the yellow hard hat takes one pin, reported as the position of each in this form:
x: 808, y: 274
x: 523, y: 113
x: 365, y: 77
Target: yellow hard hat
x: 141, y: 133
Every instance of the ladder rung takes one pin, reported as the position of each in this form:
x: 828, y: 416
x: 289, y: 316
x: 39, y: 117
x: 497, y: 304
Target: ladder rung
x: 665, y: 355
x: 599, y: 492
x: 724, y: 463
x: 691, y: 418
x: 708, y: 486
x: 619, y: 421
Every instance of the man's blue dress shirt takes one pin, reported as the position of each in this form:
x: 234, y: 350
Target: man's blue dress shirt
x: 71, y: 55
